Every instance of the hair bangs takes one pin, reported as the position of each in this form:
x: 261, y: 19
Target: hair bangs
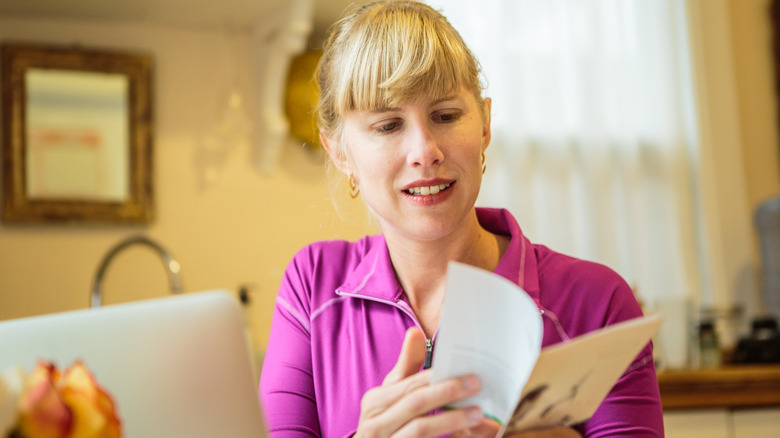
x: 389, y: 53
x: 417, y: 58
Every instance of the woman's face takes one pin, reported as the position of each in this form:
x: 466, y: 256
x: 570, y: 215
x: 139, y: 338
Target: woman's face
x: 419, y: 166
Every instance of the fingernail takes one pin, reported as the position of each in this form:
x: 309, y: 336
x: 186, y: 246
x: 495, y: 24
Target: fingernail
x: 471, y: 383
x: 475, y: 415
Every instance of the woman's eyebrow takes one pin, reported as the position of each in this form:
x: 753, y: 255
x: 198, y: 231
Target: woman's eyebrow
x: 445, y: 99
x: 384, y: 110
x: 435, y: 102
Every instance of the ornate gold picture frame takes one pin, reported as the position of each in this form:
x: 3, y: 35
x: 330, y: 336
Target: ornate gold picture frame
x: 77, y: 135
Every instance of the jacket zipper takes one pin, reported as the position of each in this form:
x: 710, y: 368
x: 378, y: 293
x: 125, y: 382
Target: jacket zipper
x: 428, y: 353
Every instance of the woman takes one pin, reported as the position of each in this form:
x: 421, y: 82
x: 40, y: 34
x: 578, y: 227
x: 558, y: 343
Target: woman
x: 401, y: 114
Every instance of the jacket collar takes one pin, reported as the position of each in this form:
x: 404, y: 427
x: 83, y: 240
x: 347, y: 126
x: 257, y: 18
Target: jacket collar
x: 374, y: 277
x: 519, y: 264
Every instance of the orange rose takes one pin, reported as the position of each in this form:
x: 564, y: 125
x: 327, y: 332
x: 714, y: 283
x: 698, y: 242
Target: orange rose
x: 94, y: 415
x: 43, y: 414
x: 71, y: 405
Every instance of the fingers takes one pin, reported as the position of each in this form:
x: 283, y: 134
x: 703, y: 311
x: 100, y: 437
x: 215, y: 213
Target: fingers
x: 442, y: 424
x: 382, y: 397
x: 427, y: 398
x: 410, y: 409
x: 402, y: 379
x: 411, y: 357
x: 400, y: 406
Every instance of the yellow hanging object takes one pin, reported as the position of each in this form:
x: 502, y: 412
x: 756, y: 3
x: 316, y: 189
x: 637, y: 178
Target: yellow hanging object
x: 301, y: 96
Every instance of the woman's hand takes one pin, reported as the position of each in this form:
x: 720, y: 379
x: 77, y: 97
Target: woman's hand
x: 400, y: 406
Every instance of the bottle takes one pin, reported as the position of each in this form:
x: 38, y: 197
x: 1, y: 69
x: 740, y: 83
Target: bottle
x: 246, y: 302
x: 709, y: 347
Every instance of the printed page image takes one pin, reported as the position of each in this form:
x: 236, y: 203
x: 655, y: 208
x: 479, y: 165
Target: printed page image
x: 571, y: 379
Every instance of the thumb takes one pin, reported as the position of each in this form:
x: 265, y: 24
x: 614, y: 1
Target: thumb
x: 410, y: 359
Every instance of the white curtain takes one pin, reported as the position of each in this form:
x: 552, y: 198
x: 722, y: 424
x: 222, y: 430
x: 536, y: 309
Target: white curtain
x: 591, y: 145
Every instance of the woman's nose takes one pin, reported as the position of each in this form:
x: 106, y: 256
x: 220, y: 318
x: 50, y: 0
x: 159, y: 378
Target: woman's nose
x: 423, y: 149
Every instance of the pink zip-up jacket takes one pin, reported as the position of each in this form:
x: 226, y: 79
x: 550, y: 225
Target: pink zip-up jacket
x: 340, y: 319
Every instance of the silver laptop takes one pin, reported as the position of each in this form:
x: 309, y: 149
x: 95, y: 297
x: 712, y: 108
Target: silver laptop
x: 176, y: 366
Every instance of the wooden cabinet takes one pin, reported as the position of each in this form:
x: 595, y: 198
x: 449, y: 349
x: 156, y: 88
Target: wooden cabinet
x: 723, y: 423
x: 710, y: 423
x: 730, y: 402
x: 727, y: 387
x: 756, y: 423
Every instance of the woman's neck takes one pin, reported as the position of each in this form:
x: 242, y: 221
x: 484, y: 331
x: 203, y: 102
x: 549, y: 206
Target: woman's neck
x: 421, y: 266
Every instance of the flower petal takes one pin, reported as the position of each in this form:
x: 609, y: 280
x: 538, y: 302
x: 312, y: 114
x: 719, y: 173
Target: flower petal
x: 43, y: 412
x: 94, y: 410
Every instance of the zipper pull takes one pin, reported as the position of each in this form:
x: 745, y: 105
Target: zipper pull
x: 428, y: 353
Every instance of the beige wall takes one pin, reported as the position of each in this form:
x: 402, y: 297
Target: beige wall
x: 246, y: 226
x: 758, y: 111
x: 242, y: 229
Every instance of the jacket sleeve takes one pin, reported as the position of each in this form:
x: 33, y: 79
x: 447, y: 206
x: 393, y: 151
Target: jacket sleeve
x: 286, y: 384
x: 633, y: 406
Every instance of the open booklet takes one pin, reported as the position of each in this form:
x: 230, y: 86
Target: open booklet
x: 490, y: 327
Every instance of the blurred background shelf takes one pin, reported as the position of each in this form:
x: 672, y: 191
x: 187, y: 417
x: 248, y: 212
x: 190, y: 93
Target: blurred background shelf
x: 726, y: 387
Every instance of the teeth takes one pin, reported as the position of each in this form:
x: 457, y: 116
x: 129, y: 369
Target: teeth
x: 423, y: 191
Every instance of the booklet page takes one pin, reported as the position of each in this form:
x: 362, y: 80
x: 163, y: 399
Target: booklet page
x: 489, y: 327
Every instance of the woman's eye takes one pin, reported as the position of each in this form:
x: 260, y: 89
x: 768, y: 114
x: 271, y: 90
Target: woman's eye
x: 388, y: 127
x: 446, y: 117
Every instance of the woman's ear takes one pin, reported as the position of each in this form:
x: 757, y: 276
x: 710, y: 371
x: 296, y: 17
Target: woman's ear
x: 486, y: 125
x: 338, y: 158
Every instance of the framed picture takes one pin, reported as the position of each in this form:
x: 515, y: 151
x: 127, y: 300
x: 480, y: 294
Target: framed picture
x: 77, y: 135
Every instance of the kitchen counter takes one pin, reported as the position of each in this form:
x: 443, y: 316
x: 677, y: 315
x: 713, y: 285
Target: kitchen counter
x: 736, y: 386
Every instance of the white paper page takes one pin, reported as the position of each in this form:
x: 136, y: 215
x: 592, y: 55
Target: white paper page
x: 489, y: 327
x: 571, y: 379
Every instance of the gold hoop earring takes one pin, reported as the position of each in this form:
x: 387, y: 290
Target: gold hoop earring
x: 484, y: 166
x: 354, y: 188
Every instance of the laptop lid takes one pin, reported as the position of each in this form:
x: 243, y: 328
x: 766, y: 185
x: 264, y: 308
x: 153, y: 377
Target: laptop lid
x: 176, y: 367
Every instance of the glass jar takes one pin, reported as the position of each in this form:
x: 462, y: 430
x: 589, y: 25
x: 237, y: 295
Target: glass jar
x: 709, y: 347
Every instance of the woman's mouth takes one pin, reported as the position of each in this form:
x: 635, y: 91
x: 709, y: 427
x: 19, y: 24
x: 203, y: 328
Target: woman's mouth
x: 427, y: 190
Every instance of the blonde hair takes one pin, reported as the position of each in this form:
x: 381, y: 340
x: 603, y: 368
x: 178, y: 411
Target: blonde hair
x: 386, y: 54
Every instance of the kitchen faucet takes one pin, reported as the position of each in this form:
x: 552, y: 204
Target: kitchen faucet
x: 171, y: 266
